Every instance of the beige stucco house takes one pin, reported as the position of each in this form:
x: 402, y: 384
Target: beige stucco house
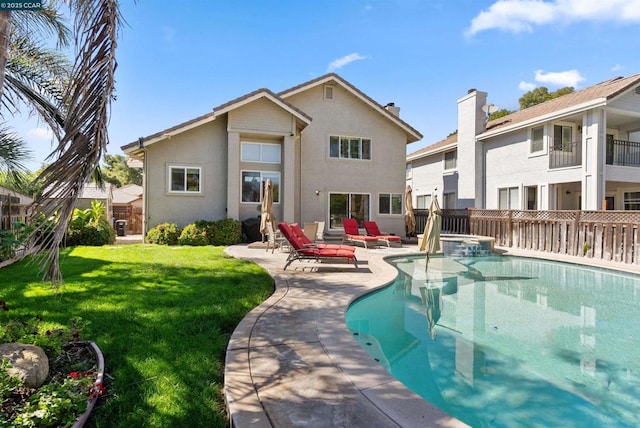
x: 329, y: 149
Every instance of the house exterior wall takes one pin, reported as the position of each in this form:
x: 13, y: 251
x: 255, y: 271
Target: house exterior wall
x: 346, y: 115
x: 427, y: 176
x: 204, y: 147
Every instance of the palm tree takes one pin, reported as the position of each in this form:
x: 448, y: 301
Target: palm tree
x: 75, y: 105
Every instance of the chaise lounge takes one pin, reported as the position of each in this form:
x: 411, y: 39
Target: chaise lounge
x: 373, y: 230
x: 352, y: 233
x: 301, y: 251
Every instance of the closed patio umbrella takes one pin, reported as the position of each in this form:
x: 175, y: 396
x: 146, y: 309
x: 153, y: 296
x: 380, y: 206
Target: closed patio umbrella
x: 266, y: 213
x: 409, y: 216
x: 431, y: 238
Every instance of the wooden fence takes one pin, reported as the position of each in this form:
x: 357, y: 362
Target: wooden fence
x: 601, y: 235
x: 133, y: 216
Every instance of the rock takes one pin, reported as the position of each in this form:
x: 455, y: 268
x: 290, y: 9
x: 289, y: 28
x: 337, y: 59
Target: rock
x: 28, y: 362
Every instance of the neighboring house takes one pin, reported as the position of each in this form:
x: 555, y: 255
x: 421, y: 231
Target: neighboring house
x: 14, y: 207
x: 93, y: 192
x: 127, y: 205
x: 578, y: 151
x: 330, y: 151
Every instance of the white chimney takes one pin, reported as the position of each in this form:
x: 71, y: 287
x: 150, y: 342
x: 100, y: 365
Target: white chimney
x: 391, y: 108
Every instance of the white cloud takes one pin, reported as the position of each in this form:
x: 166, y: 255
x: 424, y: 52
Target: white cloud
x: 347, y: 59
x: 40, y: 133
x: 562, y: 78
x: 527, y: 86
x: 617, y: 67
x: 523, y: 15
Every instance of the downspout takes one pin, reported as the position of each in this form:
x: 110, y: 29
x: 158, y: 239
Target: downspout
x: 145, y: 199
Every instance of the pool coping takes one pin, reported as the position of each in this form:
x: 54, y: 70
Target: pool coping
x: 292, y: 361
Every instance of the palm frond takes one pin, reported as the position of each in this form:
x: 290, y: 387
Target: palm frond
x: 45, y: 23
x: 87, y: 101
x: 13, y: 152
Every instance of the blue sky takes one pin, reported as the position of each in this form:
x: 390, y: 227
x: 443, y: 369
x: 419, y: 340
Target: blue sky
x: 179, y: 59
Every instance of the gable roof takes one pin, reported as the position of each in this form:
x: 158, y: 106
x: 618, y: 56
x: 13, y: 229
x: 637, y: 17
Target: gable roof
x: 593, y: 96
x: 441, y: 146
x: 217, y: 111
x: 127, y: 194
x: 411, y: 132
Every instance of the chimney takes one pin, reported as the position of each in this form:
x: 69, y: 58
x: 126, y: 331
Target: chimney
x: 391, y: 108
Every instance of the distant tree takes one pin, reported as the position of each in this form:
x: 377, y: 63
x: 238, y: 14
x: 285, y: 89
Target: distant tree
x: 500, y: 113
x: 540, y: 95
x: 116, y: 171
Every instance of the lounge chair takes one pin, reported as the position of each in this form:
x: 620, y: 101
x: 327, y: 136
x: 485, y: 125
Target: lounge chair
x: 373, y: 230
x: 295, y: 227
x: 300, y: 251
x: 352, y: 233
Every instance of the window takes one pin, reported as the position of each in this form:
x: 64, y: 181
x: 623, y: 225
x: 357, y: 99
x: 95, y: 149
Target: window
x: 450, y: 159
x: 253, y: 185
x: 508, y: 198
x: 390, y: 203
x: 537, y: 139
x: 260, y: 152
x: 532, y: 198
x: 349, y: 148
x: 449, y: 200
x: 184, y: 179
x: 562, y: 138
x: 328, y: 92
x: 423, y: 201
x: 632, y: 200
x: 348, y: 205
x: 409, y: 171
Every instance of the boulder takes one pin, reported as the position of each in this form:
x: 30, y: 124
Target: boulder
x: 28, y: 362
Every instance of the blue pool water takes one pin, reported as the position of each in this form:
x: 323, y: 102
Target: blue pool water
x: 510, y: 342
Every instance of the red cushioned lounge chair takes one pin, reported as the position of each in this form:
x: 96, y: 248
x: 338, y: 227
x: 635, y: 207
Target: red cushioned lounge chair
x: 373, y: 230
x: 295, y: 227
x: 300, y: 251
x: 352, y: 233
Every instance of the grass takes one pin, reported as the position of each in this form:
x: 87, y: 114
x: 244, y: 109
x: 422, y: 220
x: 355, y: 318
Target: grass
x: 162, y: 317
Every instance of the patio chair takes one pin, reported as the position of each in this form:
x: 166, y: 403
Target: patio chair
x: 373, y: 230
x: 297, y: 230
x: 300, y: 251
x: 310, y: 230
x: 352, y: 233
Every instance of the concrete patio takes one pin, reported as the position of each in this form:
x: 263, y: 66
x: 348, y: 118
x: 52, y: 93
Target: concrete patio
x: 292, y: 362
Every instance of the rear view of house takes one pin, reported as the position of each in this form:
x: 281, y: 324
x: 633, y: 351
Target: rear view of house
x: 578, y: 151
x: 330, y: 151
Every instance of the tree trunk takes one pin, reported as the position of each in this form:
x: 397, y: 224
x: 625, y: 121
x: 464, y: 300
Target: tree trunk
x: 5, y: 27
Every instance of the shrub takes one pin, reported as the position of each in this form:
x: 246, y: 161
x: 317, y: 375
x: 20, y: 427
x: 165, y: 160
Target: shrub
x: 163, y: 234
x: 94, y: 234
x: 10, y: 240
x: 227, y: 232
x: 193, y: 234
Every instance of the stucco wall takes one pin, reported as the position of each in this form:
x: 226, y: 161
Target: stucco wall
x: 347, y: 115
x: 204, y: 147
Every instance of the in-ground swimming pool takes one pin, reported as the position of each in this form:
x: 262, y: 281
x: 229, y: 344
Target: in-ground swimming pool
x: 506, y: 341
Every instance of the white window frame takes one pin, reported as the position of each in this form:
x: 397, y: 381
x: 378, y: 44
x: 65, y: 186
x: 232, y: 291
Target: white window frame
x: 510, y: 198
x: 186, y: 168
x: 629, y: 200
x: 391, y: 196
x: 343, y: 140
x: 455, y: 160
x: 261, y: 146
x: 262, y: 177
x: 426, y: 199
x: 329, y: 92
x: 563, y: 146
x: 531, y: 140
x: 409, y: 170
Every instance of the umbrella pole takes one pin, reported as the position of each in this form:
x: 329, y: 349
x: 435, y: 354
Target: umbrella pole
x: 426, y: 265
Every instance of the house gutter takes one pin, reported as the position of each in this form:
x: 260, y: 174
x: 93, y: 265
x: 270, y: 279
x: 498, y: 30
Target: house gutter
x: 145, y: 202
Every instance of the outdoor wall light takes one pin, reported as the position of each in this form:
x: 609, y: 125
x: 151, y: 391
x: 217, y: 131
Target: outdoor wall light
x: 317, y: 193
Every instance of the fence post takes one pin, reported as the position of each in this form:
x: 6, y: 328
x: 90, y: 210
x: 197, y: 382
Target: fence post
x: 510, y: 229
x: 575, y: 251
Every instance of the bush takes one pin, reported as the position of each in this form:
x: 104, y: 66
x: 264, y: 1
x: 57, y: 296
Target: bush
x: 163, y: 234
x: 94, y: 234
x: 10, y: 240
x: 194, y: 234
x: 227, y: 232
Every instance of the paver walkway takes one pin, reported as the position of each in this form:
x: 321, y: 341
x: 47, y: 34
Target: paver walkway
x: 292, y: 362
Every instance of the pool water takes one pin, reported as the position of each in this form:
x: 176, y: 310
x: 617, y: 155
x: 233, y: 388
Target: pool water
x: 506, y: 341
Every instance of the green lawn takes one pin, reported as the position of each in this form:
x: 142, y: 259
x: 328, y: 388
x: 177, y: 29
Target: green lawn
x: 162, y: 317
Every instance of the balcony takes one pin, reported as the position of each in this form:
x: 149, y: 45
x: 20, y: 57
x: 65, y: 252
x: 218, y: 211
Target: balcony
x: 565, y: 154
x: 624, y: 153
